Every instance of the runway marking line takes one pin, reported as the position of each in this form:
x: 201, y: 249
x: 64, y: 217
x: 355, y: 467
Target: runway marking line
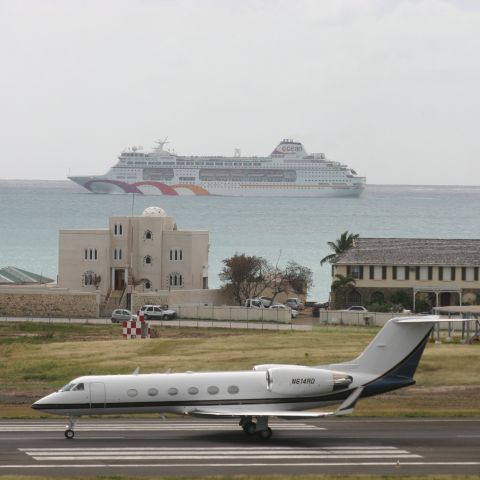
x: 223, y: 465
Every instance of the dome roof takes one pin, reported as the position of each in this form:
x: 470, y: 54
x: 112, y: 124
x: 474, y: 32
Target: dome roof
x: 154, y: 212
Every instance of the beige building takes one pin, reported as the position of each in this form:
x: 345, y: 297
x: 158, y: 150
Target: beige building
x: 144, y: 253
x: 429, y: 272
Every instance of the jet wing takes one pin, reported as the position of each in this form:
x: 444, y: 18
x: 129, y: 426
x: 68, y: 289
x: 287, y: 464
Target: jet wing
x: 344, y: 409
x: 258, y: 413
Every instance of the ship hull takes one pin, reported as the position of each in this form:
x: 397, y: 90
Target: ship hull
x: 104, y: 185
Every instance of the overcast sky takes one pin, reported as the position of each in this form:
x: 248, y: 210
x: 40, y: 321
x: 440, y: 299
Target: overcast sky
x: 389, y: 87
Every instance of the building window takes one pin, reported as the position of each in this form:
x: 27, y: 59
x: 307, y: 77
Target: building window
x: 147, y: 260
x: 423, y: 273
x: 356, y: 272
x: 175, y: 280
x: 90, y: 254
x: 176, y: 254
x: 147, y: 284
x: 148, y: 235
x: 468, y: 274
x: 118, y: 229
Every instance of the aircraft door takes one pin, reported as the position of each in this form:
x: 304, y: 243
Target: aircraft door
x: 97, y: 395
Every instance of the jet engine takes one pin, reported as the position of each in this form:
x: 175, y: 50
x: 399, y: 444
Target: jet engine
x: 305, y: 380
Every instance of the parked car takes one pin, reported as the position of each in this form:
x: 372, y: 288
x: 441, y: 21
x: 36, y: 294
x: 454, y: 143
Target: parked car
x: 120, y: 315
x: 254, y: 303
x: 156, y: 312
x: 355, y: 308
x: 278, y: 306
x: 294, y: 304
x: 266, y: 301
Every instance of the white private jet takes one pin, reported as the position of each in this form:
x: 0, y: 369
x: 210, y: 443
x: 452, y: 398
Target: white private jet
x: 285, y: 391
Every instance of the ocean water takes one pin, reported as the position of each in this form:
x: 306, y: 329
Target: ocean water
x: 279, y: 229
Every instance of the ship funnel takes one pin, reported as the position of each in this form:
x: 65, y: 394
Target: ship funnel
x: 287, y: 147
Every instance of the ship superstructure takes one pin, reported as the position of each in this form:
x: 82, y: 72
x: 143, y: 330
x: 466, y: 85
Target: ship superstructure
x: 288, y: 171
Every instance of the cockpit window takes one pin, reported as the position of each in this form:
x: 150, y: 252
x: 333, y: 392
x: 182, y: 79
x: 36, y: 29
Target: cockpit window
x: 80, y: 386
x: 67, y: 387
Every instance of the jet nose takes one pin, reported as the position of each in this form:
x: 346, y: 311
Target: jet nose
x: 41, y: 404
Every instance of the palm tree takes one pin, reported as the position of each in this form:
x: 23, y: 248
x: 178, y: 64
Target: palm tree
x: 339, y: 246
x: 342, y: 281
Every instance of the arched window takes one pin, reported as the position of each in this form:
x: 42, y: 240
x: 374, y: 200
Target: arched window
x: 115, y: 254
x: 115, y: 229
x: 148, y: 235
x: 86, y: 254
x: 119, y: 253
x: 147, y: 260
x: 147, y: 284
x: 175, y: 280
x: 120, y: 229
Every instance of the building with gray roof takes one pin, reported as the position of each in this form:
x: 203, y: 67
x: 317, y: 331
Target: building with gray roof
x: 430, y: 272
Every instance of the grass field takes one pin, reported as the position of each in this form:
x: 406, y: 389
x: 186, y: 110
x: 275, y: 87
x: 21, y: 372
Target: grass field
x: 38, y: 358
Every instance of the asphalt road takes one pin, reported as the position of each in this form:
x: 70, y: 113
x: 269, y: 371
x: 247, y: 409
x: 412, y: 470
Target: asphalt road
x: 196, y: 447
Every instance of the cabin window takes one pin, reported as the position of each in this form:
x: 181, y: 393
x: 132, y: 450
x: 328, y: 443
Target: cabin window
x: 213, y: 390
x: 79, y: 387
x: 132, y: 392
x: 152, y: 392
x: 172, y: 391
x: 233, y: 389
x: 193, y: 390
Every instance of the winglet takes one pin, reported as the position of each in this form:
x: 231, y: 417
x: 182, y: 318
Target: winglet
x: 346, y: 408
x: 136, y: 371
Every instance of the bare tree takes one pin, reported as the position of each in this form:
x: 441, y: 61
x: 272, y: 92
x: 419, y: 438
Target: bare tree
x: 245, y: 276
x: 293, y: 277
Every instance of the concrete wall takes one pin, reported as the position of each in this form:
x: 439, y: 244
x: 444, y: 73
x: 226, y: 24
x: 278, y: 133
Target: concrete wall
x: 180, y: 297
x: 233, y: 314
x: 47, y: 302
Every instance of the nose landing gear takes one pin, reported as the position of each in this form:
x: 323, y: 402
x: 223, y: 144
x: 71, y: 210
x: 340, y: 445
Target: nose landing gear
x: 69, y: 432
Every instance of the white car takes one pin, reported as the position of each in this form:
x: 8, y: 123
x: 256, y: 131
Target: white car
x: 355, y: 308
x: 284, y: 307
x: 120, y: 314
x: 156, y: 312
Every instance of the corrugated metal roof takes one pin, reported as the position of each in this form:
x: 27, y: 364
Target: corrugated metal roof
x: 413, y: 251
x: 17, y: 276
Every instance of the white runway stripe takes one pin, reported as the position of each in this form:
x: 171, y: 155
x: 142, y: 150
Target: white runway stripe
x: 229, y: 453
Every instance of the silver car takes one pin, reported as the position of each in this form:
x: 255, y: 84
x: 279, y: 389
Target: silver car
x: 156, y: 312
x: 120, y: 315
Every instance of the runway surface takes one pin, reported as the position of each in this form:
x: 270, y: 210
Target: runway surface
x: 198, y: 447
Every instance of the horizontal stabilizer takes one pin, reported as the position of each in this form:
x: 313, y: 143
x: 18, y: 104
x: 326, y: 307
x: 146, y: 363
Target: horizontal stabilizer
x: 258, y: 413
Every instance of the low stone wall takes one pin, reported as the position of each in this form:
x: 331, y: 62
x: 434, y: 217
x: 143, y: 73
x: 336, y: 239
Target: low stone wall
x: 227, y: 313
x: 47, y: 302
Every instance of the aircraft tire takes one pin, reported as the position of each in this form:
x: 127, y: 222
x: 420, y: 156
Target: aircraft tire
x: 69, y: 434
x: 265, y: 434
x: 250, y: 428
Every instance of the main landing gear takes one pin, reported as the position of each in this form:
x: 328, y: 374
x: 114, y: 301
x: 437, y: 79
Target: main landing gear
x: 69, y: 432
x: 260, y: 428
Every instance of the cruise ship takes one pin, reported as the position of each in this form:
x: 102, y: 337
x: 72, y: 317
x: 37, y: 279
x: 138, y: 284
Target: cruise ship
x: 288, y: 171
